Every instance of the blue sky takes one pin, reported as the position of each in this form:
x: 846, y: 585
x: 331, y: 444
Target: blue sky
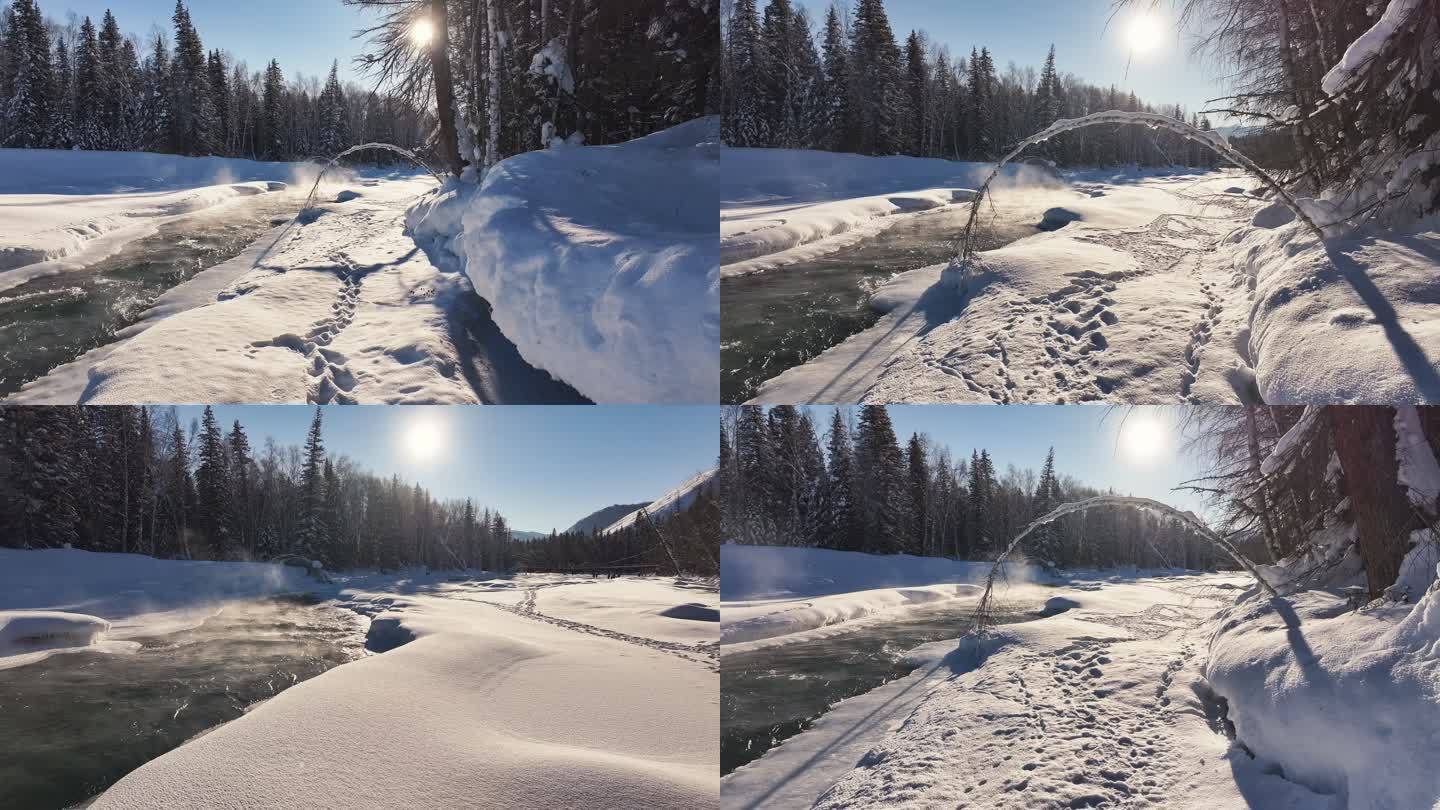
x: 1147, y: 460
x: 305, y: 35
x: 543, y: 467
x: 1023, y: 30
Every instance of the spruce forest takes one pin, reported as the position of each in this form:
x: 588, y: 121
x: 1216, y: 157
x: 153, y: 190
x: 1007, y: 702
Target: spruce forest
x: 133, y: 479
x: 857, y: 488
x: 851, y: 87
x: 581, y: 72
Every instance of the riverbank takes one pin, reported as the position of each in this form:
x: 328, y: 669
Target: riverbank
x: 533, y: 691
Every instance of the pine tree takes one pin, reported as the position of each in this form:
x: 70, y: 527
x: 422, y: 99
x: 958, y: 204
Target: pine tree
x: 876, y: 66
x: 27, y: 116
x: 154, y: 126
x: 980, y: 110
x: 272, y: 121
x: 917, y: 85
x: 243, y: 488
x: 310, y: 536
x: 880, y: 475
x: 62, y: 114
x: 838, y: 115
x: 214, y: 490
x: 111, y: 85
x: 747, y: 123
x: 918, y: 533
x: 89, y: 90
x: 334, y: 117
x: 219, y: 86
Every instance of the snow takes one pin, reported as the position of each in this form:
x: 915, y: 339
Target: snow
x: 337, y: 306
x: 1368, y: 45
x: 1344, y: 702
x: 599, y: 261
x: 109, y: 599
x: 27, y: 635
x: 1103, y: 703
x: 1418, y: 471
x: 776, y: 594
x: 66, y: 209
x: 672, y: 502
x: 531, y: 691
x: 1113, y: 306
x: 782, y: 206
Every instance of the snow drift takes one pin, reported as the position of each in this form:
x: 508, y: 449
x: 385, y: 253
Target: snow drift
x: 600, y: 261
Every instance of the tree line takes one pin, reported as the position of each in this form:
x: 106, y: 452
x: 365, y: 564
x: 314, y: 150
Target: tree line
x: 82, y: 86
x: 133, y: 479
x: 1333, y: 491
x: 857, y: 90
x: 691, y: 535
x: 858, y: 488
x: 510, y: 76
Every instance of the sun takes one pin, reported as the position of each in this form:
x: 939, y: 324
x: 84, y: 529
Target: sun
x: 1143, y: 437
x: 424, y: 438
x: 1144, y: 33
x: 421, y: 32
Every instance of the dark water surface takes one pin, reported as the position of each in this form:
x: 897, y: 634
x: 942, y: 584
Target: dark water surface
x: 52, y: 320
x: 74, y: 724
x: 781, y: 318
x: 769, y: 695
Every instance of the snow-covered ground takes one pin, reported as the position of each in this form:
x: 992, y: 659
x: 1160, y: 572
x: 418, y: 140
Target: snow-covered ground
x: 63, y: 210
x: 782, y: 206
x: 534, y: 691
x: 600, y: 262
x: 1147, y: 287
x: 1129, y: 694
x: 339, y: 305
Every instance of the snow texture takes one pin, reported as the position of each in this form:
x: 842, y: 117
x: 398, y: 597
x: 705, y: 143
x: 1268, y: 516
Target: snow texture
x: 599, y: 261
x: 1368, y: 45
x: 676, y: 500
x: 771, y: 619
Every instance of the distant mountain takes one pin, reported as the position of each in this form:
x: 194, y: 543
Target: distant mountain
x: 671, y: 502
x: 1230, y: 133
x: 523, y: 536
x: 601, y: 518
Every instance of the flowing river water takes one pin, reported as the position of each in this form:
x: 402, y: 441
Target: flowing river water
x: 770, y: 694
x: 75, y: 723
x: 51, y: 320
x: 781, y: 318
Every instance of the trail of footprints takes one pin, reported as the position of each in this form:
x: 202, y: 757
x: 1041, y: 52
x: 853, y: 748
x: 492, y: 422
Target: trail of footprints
x: 707, y: 654
x: 1117, y: 755
x: 333, y: 380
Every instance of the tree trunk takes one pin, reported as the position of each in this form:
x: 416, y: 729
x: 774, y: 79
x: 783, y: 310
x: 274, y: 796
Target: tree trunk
x: 1262, y: 505
x: 492, y: 134
x: 1365, y: 444
x: 449, y: 142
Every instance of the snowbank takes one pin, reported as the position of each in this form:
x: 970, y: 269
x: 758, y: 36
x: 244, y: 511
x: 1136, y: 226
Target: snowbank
x: 88, y: 598
x: 600, y: 262
x: 51, y: 171
x: 770, y: 592
x: 646, y: 607
x: 776, y: 203
x: 337, y: 306
x: 479, y: 703
x: 749, y: 573
x: 1344, y: 702
x: 676, y: 500
x: 1353, y: 319
x: 746, y: 621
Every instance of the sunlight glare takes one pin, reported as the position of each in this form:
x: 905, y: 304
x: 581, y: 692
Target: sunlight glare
x: 424, y: 438
x: 1144, y: 33
x: 1143, y: 437
x: 421, y: 32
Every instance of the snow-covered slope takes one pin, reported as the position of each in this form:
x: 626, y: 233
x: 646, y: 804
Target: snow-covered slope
x: 602, y: 518
x: 600, y: 261
x: 671, y: 502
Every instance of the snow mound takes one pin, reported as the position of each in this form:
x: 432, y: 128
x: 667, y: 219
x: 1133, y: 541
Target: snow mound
x: 676, y: 500
x: 25, y: 630
x: 600, y: 262
x: 1341, y: 701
